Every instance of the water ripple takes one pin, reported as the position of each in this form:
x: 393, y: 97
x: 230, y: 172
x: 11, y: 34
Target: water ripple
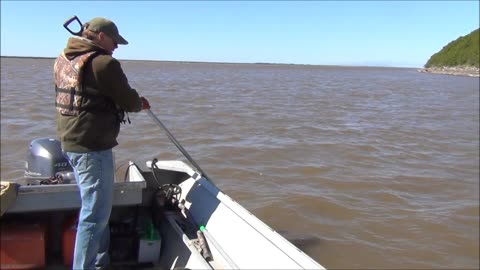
x: 360, y: 167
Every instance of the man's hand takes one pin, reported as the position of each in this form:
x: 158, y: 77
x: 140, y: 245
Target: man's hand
x: 145, y: 104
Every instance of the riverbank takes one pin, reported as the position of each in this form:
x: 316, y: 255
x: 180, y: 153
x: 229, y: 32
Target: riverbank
x: 459, y: 71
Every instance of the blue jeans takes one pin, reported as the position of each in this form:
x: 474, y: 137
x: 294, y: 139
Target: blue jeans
x: 94, y: 173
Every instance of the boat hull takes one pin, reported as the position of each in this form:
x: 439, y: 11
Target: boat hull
x: 203, y: 228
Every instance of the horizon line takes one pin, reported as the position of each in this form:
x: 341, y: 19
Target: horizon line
x: 236, y: 63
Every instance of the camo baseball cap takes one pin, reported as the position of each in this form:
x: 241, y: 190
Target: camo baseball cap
x: 106, y: 26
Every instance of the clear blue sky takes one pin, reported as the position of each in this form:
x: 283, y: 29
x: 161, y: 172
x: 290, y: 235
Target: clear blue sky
x: 373, y: 33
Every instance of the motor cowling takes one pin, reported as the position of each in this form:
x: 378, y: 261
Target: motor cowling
x: 45, y: 160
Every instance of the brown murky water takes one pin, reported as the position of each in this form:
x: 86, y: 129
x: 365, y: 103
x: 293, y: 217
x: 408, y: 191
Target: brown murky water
x: 359, y: 167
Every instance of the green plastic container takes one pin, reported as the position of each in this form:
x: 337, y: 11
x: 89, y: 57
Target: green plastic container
x: 150, y: 244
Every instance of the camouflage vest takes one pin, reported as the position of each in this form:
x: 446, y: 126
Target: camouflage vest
x: 69, y: 86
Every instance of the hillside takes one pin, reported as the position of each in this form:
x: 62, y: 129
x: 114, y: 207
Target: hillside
x: 463, y: 51
x: 457, y: 57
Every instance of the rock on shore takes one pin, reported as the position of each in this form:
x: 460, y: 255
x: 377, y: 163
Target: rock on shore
x: 460, y: 70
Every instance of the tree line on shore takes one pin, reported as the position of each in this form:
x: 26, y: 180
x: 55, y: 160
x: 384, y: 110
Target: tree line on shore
x: 462, y: 52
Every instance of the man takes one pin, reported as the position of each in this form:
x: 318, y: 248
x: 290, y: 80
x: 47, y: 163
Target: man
x: 92, y: 94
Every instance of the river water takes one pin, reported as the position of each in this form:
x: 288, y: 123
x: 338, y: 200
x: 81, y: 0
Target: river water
x: 360, y: 167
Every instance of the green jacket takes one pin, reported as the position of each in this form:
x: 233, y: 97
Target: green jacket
x: 97, y: 126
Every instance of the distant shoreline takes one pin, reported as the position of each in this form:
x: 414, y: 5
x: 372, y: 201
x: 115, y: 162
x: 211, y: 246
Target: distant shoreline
x: 31, y: 57
x: 230, y: 63
x: 458, y: 71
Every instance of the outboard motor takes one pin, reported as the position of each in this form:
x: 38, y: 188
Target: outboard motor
x: 45, y: 163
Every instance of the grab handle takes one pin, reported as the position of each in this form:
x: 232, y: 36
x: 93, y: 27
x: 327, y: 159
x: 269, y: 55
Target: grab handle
x: 69, y: 21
